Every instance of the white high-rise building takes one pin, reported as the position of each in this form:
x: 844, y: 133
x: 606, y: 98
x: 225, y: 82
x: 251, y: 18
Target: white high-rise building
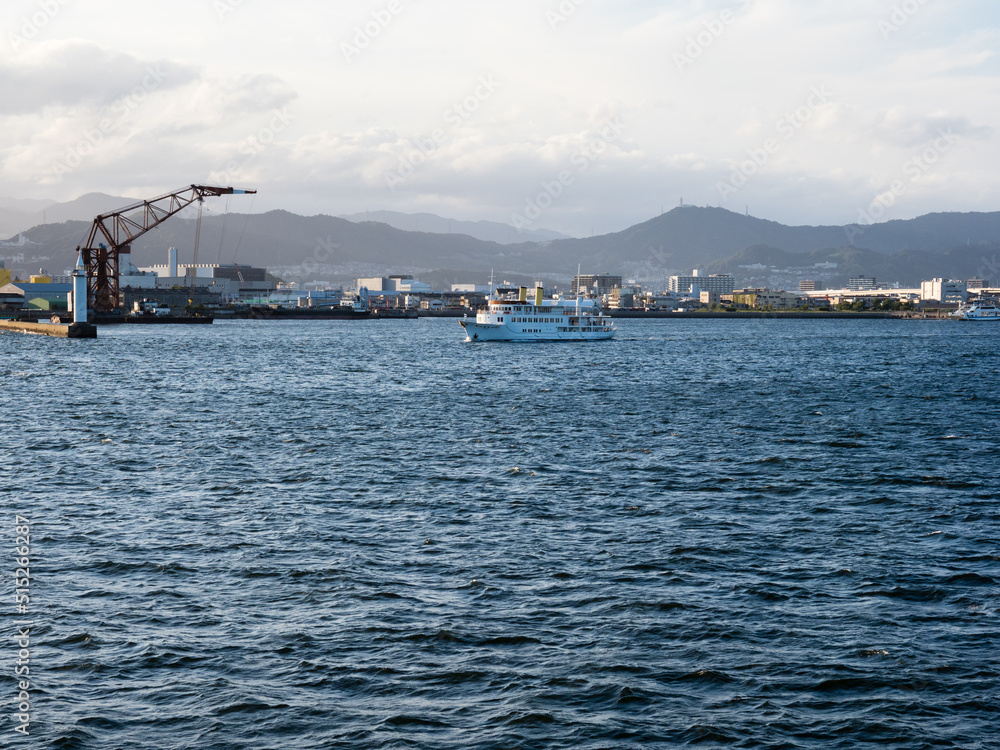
x: 939, y: 290
x: 720, y: 283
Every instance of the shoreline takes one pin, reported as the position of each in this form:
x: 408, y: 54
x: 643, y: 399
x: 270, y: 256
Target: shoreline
x: 741, y: 314
x: 793, y: 314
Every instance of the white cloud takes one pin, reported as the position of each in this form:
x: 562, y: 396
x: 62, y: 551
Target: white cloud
x: 352, y: 122
x: 75, y: 72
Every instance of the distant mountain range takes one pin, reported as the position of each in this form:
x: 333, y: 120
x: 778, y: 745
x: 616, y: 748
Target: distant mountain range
x: 23, y: 205
x: 691, y: 237
x: 20, y: 214
x: 296, y: 247
x: 712, y: 239
x: 489, y: 231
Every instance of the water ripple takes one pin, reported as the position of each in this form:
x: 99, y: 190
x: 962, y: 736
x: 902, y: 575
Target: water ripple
x: 372, y: 535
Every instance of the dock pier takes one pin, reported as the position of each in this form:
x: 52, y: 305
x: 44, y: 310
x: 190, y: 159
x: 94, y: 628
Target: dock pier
x: 58, y: 330
x: 78, y: 329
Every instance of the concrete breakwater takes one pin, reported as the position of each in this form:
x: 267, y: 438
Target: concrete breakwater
x: 58, y: 330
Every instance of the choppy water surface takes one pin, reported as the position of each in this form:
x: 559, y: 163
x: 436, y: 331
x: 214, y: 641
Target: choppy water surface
x: 373, y: 535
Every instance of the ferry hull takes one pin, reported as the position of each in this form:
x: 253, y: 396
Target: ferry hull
x: 978, y: 312
x: 499, y: 332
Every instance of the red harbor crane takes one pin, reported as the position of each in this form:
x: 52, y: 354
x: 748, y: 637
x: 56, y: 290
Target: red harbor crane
x: 112, y: 234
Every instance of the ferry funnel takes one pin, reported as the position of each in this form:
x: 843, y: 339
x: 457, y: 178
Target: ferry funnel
x: 539, y: 291
x: 522, y: 294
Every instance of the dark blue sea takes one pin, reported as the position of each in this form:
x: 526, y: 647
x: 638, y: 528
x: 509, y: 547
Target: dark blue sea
x: 712, y: 533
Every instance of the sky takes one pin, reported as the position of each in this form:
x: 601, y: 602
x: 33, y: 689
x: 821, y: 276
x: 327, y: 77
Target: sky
x: 582, y: 116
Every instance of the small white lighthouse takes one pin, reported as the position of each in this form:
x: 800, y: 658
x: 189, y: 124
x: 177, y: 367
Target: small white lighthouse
x: 79, y: 291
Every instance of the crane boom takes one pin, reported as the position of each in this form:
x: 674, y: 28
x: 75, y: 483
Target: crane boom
x: 112, y: 234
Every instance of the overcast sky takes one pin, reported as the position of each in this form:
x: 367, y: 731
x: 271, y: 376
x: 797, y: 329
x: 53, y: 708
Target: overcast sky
x: 576, y: 115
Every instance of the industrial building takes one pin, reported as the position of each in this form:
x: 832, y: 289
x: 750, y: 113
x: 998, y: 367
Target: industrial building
x: 37, y: 296
x: 226, y: 279
x: 471, y: 288
x: 721, y: 283
x: 393, y: 285
x: 758, y: 299
x: 862, y: 284
x: 939, y: 291
x: 943, y: 291
x: 623, y: 298
x: 595, y: 285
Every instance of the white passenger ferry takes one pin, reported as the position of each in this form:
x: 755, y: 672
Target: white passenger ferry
x: 982, y: 310
x: 510, y: 316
